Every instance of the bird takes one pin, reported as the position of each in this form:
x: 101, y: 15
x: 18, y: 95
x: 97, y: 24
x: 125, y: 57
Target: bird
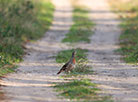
x: 69, y: 65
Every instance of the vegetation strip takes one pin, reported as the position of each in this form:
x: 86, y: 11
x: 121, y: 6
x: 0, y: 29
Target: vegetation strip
x: 81, y: 29
x: 78, y: 87
x: 21, y: 21
x: 128, y: 13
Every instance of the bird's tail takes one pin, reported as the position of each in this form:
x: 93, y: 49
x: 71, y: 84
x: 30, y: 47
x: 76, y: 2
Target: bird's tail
x: 59, y: 71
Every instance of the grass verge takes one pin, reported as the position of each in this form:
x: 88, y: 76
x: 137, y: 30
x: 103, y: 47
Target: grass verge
x: 22, y: 21
x: 81, y: 29
x: 128, y: 13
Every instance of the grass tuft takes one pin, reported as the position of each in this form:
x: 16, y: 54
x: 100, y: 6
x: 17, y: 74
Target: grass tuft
x: 81, y: 30
x: 77, y: 89
x: 81, y: 68
x: 83, y: 90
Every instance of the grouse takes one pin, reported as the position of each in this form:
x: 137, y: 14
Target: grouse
x: 69, y: 65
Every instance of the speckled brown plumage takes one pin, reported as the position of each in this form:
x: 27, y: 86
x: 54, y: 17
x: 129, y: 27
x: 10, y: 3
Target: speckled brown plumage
x: 69, y: 65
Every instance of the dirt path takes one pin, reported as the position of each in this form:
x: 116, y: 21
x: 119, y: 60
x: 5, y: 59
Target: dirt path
x: 38, y: 71
x: 115, y: 77
x: 35, y: 75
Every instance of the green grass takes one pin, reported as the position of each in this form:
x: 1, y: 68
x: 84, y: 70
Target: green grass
x: 21, y: 21
x: 83, y: 90
x: 128, y: 12
x: 81, y: 30
x: 65, y: 55
x: 77, y: 89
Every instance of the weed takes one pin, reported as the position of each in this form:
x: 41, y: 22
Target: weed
x: 82, y: 67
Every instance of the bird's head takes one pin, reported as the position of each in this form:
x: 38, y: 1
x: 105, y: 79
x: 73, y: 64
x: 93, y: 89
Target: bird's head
x: 73, y: 53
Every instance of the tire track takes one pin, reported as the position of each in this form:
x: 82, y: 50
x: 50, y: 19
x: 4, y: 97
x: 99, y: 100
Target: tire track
x: 116, y: 78
x: 33, y: 80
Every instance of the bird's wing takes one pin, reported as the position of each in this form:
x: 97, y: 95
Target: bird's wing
x: 65, y: 66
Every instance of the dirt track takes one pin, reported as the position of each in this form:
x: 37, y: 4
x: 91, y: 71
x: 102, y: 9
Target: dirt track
x: 35, y: 75
x: 38, y: 71
x: 115, y: 77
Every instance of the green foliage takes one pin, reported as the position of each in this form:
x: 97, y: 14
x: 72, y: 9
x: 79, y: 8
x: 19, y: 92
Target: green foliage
x: 65, y: 55
x: 20, y: 22
x: 81, y: 29
x: 77, y: 89
x: 82, y: 68
x: 83, y: 90
x: 129, y: 36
